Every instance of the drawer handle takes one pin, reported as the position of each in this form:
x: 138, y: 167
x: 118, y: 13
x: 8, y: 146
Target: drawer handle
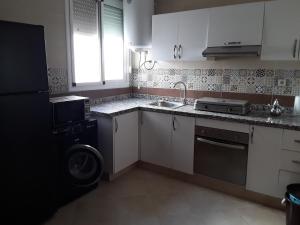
x: 296, y: 162
x: 232, y: 43
x: 297, y: 141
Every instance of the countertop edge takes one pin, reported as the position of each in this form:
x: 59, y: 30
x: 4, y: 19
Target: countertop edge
x: 197, y: 115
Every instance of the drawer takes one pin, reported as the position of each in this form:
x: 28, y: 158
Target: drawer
x: 225, y: 125
x: 290, y: 160
x: 291, y: 140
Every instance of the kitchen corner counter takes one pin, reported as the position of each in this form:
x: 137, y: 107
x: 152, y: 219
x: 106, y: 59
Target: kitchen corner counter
x: 115, y: 108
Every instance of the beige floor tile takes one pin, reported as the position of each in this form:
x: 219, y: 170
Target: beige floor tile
x: 141, y: 197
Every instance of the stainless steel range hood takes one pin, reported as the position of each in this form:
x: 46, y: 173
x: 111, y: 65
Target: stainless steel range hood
x: 232, y: 51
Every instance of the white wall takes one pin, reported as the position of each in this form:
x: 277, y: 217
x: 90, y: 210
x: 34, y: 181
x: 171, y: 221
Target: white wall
x: 50, y: 14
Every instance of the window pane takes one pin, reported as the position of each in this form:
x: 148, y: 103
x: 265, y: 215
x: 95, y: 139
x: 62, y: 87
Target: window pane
x: 113, y: 43
x: 86, y: 45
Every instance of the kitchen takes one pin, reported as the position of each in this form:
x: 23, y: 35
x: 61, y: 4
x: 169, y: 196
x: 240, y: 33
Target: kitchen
x: 162, y: 112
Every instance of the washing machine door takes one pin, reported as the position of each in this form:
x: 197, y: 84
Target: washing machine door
x: 83, y: 165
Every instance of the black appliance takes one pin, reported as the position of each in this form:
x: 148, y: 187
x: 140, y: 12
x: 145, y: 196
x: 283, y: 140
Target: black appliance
x: 62, y: 106
x: 221, y: 154
x: 27, y: 160
x: 292, y: 204
x: 80, y: 162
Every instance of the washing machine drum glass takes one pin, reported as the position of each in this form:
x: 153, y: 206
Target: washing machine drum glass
x: 83, y: 165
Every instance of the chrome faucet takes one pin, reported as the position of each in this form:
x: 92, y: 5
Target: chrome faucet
x: 184, y: 93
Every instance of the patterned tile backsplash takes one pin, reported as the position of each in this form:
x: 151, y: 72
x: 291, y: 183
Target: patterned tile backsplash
x: 58, y: 80
x: 251, y: 81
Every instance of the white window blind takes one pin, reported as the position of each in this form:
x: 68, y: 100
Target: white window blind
x: 85, y: 41
x: 112, y: 40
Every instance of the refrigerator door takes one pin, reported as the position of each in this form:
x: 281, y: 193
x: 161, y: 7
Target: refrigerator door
x: 28, y: 161
x: 23, y: 65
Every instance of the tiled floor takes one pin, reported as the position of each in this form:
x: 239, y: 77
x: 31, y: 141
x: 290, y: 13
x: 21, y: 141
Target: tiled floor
x: 141, y: 197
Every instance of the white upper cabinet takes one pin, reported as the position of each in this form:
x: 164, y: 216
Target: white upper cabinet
x: 281, y: 30
x: 164, y: 37
x: 192, y: 34
x: 180, y: 36
x: 236, y: 25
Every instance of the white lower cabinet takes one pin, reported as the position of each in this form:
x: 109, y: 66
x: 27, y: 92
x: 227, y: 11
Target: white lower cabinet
x: 264, y: 160
x: 156, y: 138
x: 168, y: 141
x: 182, y: 150
x: 126, y: 146
x: 118, y: 141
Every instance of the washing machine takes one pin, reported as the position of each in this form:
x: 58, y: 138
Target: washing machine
x: 80, y: 162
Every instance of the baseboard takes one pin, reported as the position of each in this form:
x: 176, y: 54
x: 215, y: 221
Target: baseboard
x: 111, y: 177
x: 217, y: 185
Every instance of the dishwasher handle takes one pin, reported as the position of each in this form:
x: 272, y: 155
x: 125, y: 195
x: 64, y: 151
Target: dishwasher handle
x: 232, y: 146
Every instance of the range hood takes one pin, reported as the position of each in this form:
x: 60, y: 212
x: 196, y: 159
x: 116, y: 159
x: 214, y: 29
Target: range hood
x: 232, y: 51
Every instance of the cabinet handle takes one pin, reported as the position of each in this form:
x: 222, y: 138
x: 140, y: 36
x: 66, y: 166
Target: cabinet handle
x: 252, y: 135
x: 175, y: 51
x: 173, y: 123
x: 297, y: 141
x: 295, y: 48
x: 116, y: 125
x: 228, y: 43
x: 296, y: 162
x: 180, y: 51
x: 299, y: 50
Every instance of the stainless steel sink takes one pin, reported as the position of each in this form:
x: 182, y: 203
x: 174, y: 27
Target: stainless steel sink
x: 167, y: 104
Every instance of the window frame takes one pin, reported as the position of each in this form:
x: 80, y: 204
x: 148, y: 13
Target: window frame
x: 103, y: 84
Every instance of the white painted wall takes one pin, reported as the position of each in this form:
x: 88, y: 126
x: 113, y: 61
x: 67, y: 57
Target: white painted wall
x: 50, y: 14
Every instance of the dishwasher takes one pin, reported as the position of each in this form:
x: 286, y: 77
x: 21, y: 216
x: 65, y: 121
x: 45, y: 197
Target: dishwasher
x: 221, y: 154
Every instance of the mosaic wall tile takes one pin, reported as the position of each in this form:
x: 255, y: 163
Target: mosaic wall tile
x: 253, y: 81
x: 98, y: 101
x: 259, y: 81
x: 57, y: 80
x: 260, y: 73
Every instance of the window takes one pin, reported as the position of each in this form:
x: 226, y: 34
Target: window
x: 96, y: 45
x: 112, y: 40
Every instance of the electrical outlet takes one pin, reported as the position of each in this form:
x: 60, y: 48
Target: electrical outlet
x: 281, y: 82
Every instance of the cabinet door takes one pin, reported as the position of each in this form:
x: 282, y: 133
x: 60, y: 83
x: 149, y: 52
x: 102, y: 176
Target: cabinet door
x: 125, y: 140
x: 165, y: 36
x: 236, y: 25
x: 264, y: 160
x: 183, y: 144
x: 156, y: 138
x: 281, y: 30
x: 192, y: 34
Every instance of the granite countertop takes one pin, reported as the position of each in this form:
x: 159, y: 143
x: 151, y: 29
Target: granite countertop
x: 114, y: 108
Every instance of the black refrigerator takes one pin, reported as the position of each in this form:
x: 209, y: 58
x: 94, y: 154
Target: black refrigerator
x: 27, y: 159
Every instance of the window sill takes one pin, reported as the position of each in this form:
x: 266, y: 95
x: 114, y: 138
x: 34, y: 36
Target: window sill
x: 99, y: 86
